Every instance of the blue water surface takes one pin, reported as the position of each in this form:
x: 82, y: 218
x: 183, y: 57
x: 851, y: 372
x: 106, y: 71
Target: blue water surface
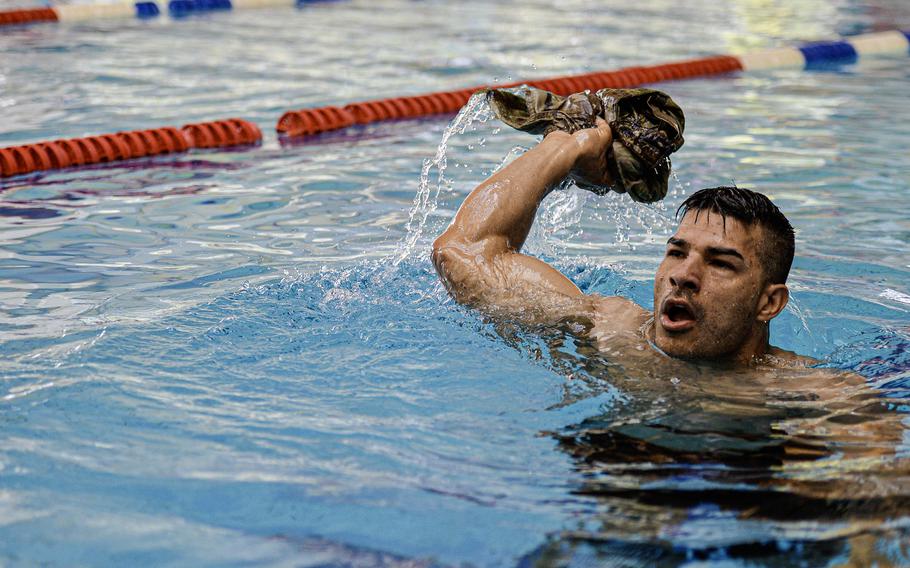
x: 244, y: 356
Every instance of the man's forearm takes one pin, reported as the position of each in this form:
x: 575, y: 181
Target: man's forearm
x: 505, y: 204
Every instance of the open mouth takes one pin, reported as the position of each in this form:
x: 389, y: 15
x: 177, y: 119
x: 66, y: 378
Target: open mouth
x: 677, y: 315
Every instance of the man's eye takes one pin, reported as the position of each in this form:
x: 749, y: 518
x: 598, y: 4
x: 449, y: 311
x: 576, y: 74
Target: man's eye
x: 675, y: 253
x: 722, y: 264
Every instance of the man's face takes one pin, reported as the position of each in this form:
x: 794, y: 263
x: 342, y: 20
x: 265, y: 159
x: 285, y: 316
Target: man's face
x: 707, y: 288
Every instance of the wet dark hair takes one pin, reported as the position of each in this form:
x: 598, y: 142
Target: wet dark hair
x: 751, y: 208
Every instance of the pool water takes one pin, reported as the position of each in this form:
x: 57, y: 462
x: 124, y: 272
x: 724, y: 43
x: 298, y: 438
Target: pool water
x: 245, y: 357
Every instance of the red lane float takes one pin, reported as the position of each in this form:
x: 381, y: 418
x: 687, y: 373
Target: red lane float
x: 59, y: 154
x: 221, y: 133
x: 315, y: 120
x: 27, y: 15
x: 309, y: 121
x: 312, y: 121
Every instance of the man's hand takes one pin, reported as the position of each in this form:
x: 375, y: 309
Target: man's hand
x: 593, y: 146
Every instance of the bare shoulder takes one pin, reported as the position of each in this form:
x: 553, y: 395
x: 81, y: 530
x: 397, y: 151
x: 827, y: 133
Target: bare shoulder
x: 778, y: 357
x: 618, y: 314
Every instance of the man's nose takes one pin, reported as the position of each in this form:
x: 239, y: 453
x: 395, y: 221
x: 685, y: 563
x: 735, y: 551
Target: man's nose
x: 686, y: 274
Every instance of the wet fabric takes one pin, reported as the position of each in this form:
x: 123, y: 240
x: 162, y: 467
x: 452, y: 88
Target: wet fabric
x: 647, y: 127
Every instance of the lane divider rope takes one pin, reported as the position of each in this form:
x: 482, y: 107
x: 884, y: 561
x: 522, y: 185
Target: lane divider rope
x: 57, y: 154
x: 139, y: 9
x: 304, y: 122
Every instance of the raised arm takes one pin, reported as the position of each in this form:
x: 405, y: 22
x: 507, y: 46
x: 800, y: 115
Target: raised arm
x: 478, y: 256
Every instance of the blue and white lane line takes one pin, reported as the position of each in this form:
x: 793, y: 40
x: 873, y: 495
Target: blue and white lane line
x: 846, y: 50
x: 175, y: 8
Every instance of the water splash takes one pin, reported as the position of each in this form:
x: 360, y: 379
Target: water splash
x: 566, y: 209
x: 557, y: 221
x: 634, y: 221
x: 426, y: 200
x: 794, y: 308
x: 561, y: 215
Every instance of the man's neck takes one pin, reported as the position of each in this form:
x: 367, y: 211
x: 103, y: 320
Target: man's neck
x: 755, y: 347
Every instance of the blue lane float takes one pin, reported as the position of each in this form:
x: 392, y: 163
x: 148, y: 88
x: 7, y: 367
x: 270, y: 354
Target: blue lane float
x: 829, y: 52
x: 181, y: 8
x: 147, y: 10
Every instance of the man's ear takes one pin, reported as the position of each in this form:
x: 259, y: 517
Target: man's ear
x: 772, y: 302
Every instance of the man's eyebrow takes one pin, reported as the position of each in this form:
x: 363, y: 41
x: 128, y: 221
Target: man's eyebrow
x: 713, y: 251
x: 718, y: 251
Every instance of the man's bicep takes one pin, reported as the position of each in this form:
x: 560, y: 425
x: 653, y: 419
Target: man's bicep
x: 510, y: 284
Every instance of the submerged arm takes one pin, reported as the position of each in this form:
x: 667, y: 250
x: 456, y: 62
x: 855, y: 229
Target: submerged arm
x: 478, y: 256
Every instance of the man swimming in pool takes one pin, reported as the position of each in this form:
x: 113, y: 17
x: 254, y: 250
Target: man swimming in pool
x: 721, y: 282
